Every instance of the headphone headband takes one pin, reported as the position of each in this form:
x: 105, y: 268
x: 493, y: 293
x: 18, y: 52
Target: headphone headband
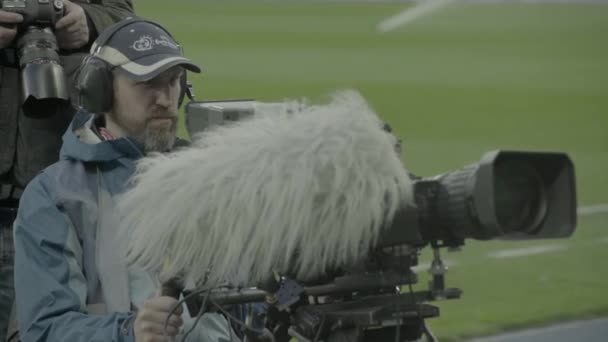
x: 109, y: 32
x: 94, y: 78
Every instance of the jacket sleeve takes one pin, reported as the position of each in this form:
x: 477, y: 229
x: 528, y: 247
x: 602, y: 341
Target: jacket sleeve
x: 51, y: 288
x: 104, y: 13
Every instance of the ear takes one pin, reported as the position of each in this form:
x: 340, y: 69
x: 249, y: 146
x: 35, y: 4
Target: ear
x: 94, y: 83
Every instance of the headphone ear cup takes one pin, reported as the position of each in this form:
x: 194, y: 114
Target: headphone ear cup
x: 95, y: 85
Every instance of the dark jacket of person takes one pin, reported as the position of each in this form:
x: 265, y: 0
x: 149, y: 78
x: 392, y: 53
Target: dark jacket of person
x: 28, y: 145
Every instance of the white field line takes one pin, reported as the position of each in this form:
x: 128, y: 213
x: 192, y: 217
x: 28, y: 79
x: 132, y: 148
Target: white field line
x: 593, y: 209
x: 410, y: 14
x: 426, y: 7
x: 534, y: 250
x: 520, y: 252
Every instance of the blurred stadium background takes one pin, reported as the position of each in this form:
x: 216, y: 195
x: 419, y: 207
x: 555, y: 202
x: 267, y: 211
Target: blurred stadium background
x: 456, y: 82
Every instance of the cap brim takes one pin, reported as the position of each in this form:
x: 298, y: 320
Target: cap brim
x: 148, y: 67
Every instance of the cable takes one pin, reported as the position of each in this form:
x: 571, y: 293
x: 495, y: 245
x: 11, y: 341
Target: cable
x: 180, y: 303
x: 198, y: 317
x: 231, y: 317
x: 429, y: 334
x: 321, y: 326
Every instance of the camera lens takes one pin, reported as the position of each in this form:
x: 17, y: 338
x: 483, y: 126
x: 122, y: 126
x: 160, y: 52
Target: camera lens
x: 520, y: 196
x: 44, y: 85
x: 38, y: 45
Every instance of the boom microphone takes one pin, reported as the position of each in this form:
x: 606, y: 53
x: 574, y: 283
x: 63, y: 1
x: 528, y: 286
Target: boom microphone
x: 301, y: 190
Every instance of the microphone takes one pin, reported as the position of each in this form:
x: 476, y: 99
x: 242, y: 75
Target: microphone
x: 298, y: 190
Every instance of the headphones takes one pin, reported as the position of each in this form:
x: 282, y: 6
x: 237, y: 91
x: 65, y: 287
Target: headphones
x: 94, y: 80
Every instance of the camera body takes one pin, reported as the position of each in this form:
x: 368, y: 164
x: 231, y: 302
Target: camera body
x: 43, y: 82
x: 515, y: 195
x: 42, y: 13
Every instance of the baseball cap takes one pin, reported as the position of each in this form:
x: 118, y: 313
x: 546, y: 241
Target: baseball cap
x: 141, y: 49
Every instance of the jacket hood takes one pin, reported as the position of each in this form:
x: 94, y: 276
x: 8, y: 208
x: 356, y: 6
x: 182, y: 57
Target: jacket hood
x: 81, y: 143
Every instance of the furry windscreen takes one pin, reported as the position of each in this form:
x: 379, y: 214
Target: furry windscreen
x: 296, y: 189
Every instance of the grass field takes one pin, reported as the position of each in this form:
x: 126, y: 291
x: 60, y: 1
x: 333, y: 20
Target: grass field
x: 461, y: 81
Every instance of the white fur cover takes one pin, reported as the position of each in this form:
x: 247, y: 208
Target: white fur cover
x: 299, y: 191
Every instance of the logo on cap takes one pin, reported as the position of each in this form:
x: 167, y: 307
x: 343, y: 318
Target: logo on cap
x: 166, y: 41
x: 145, y: 43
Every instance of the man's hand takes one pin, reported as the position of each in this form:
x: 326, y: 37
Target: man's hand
x: 8, y: 27
x: 72, y: 30
x: 149, y: 323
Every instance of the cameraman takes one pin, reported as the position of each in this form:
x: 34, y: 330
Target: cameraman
x: 27, y: 145
x: 72, y: 283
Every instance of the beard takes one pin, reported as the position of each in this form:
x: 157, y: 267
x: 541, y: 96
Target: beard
x: 155, y: 138
x: 152, y: 135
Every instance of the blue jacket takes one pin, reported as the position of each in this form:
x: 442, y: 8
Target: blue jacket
x: 70, y: 282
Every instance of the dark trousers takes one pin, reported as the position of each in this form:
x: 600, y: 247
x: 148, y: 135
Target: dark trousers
x: 7, y: 252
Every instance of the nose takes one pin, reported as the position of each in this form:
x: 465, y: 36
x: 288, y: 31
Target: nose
x: 165, y: 97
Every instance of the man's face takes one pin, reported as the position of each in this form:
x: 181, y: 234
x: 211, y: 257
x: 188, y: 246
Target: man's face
x: 147, y: 111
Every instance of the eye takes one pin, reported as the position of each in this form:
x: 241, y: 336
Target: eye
x: 175, y: 78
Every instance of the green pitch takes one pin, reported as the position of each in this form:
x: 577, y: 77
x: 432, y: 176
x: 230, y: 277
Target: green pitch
x: 454, y: 84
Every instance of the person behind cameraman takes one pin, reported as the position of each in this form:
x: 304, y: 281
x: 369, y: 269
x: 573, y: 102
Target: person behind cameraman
x: 71, y: 280
x: 27, y: 145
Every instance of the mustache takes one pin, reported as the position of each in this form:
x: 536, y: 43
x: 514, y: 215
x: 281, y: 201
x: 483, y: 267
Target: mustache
x: 163, y: 115
x: 172, y: 117
x: 163, y: 112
